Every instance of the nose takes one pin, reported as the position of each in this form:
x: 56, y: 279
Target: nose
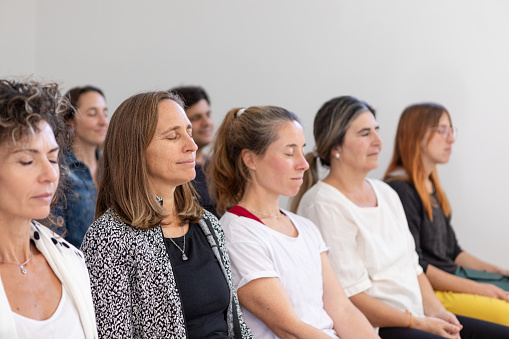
x: 377, y: 140
x: 190, y: 145
x: 450, y: 137
x: 104, y: 119
x: 303, y: 163
x: 49, y: 171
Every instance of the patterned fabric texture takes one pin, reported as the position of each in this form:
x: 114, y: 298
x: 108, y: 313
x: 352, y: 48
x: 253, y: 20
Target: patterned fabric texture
x: 133, y: 287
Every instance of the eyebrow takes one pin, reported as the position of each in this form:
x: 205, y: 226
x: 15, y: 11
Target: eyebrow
x: 294, y: 145
x: 171, y: 129
x: 30, y: 150
x: 367, y: 129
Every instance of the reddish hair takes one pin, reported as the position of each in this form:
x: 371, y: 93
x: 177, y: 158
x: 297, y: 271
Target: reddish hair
x: 414, y: 122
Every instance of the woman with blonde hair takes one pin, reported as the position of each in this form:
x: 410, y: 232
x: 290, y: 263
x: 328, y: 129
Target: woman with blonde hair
x: 285, y: 283
x: 423, y: 140
x: 44, y: 284
x: 363, y: 222
x: 157, y: 261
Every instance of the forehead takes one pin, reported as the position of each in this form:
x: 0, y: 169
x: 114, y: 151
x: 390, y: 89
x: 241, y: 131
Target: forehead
x: 444, y: 120
x: 290, y: 132
x: 365, y: 119
x: 201, y: 106
x: 171, y: 114
x: 91, y: 98
x: 42, y: 140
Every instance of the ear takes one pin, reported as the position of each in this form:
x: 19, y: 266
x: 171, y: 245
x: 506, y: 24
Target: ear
x: 336, y: 149
x: 249, y: 159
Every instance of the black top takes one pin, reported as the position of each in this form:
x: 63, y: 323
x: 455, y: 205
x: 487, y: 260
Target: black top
x: 435, y: 241
x: 200, y: 185
x: 202, y: 286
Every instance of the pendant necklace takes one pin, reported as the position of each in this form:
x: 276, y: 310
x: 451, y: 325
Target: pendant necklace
x: 184, y: 256
x: 21, y: 266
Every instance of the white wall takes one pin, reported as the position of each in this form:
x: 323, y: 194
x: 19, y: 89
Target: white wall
x: 298, y: 54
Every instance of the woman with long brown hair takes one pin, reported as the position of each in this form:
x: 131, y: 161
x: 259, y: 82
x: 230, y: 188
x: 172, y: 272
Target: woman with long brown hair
x: 157, y: 261
x: 363, y: 222
x: 424, y: 139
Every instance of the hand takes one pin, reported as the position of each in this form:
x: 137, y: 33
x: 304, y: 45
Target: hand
x: 438, y: 326
x: 503, y: 272
x: 492, y: 291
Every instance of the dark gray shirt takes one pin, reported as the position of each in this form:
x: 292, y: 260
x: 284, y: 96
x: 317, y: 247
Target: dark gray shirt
x: 435, y: 241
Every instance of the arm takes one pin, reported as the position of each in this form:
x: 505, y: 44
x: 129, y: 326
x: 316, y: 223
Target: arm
x: 443, y: 281
x: 436, y: 311
x: 110, y: 286
x: 383, y: 315
x: 467, y: 260
x: 266, y: 299
x: 349, y: 322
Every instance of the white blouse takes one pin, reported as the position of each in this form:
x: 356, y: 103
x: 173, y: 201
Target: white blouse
x: 64, y: 323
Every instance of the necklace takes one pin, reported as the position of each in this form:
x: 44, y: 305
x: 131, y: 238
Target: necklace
x: 184, y: 256
x: 281, y: 214
x: 21, y: 266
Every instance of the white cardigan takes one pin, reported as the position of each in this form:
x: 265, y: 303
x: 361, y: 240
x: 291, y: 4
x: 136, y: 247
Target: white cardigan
x: 69, y: 266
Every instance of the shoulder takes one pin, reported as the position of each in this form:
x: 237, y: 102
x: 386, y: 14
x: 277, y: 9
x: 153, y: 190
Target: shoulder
x: 405, y: 190
x: 383, y: 189
x: 110, y: 233
x: 53, y: 245
x: 303, y: 224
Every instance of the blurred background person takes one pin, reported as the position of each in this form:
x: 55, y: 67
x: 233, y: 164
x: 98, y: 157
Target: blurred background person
x: 197, y: 107
x: 88, y: 118
x: 157, y: 261
x: 44, y: 285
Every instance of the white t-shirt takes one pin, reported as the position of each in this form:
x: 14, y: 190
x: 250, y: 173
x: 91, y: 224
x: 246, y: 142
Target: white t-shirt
x: 64, y: 323
x: 372, y: 249
x: 256, y: 251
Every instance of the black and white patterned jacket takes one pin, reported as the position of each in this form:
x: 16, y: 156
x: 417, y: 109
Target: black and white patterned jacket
x: 133, y: 287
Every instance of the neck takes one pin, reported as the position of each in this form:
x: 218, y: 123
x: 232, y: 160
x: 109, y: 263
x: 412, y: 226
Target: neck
x: 15, y: 240
x: 429, y: 167
x: 200, y: 156
x: 346, y: 179
x: 85, y: 153
x: 260, y: 201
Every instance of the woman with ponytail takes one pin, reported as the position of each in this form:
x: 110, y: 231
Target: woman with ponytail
x: 424, y: 139
x: 363, y: 222
x: 285, y: 283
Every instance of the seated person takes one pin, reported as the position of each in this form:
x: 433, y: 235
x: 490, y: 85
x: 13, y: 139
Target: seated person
x: 88, y: 118
x: 157, y: 261
x: 285, y: 283
x: 44, y: 284
x: 424, y: 139
x: 362, y: 220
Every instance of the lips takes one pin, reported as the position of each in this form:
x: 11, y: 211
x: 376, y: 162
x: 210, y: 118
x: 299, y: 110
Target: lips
x: 187, y: 162
x: 44, y: 196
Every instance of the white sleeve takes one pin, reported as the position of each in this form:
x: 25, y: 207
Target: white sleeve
x: 250, y: 255
x: 409, y: 236
x: 340, y: 234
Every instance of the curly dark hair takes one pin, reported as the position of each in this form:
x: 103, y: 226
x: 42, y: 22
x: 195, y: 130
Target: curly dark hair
x: 22, y: 106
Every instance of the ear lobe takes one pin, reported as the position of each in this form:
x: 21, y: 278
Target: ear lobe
x: 248, y: 157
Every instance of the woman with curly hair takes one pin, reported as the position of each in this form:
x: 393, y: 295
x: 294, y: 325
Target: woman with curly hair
x: 45, y: 288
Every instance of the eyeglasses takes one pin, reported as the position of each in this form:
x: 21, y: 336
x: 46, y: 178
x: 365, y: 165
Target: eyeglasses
x: 445, y: 131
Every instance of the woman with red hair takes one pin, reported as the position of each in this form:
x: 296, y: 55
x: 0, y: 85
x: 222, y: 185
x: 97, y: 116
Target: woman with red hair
x: 465, y: 284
